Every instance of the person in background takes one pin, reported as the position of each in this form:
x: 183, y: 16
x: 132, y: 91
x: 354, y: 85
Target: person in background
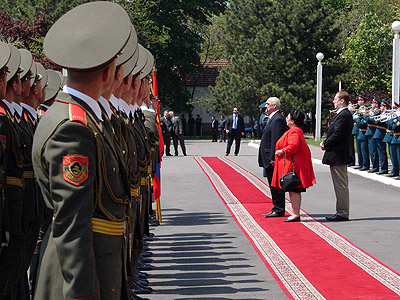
x: 177, y: 133
x: 214, y: 129
x: 191, y: 124
x: 235, y: 130
x: 221, y: 128
x: 166, y: 127
x: 292, y: 148
x: 183, y: 119
x: 198, y: 122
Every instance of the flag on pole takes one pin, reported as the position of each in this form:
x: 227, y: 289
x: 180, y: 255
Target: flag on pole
x: 157, y: 175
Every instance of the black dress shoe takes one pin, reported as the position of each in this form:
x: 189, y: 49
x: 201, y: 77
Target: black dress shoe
x: 373, y: 171
x: 226, y: 154
x: 236, y: 154
x: 358, y: 167
x: 169, y: 154
x: 382, y: 172
x: 297, y: 219
x: 392, y: 175
x: 273, y: 214
x: 336, y: 218
x: 364, y: 169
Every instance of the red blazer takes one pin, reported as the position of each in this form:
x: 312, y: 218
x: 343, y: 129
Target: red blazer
x: 295, y: 144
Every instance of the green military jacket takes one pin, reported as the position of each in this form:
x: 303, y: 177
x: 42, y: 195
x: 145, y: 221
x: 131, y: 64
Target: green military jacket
x: 84, y: 181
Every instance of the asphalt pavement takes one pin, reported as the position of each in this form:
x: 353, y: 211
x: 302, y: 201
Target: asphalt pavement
x: 200, y: 252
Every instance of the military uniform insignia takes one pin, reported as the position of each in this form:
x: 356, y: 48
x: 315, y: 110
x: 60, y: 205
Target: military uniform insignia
x: 3, y: 141
x: 75, y: 168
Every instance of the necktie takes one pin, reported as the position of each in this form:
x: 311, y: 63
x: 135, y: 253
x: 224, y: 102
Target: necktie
x: 234, y: 121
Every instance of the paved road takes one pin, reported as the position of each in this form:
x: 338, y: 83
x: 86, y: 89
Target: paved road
x: 200, y: 252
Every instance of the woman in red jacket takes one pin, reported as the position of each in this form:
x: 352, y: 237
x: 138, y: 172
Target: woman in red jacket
x: 293, y: 143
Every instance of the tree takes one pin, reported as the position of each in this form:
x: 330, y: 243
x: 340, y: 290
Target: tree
x: 369, y: 54
x: 272, y: 47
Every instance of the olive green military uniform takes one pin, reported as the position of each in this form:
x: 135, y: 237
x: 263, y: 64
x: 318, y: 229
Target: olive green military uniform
x: 11, y: 256
x: 84, y: 180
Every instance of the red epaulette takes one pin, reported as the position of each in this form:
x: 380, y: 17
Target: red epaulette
x: 77, y: 114
x: 2, y: 110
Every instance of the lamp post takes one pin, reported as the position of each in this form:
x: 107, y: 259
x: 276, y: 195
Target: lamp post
x: 320, y: 57
x: 396, y: 62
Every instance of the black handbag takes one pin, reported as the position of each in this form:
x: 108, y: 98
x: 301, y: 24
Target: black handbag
x: 290, y: 180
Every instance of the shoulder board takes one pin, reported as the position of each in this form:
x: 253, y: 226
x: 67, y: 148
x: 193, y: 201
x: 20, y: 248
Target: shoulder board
x: 25, y: 116
x: 77, y: 114
x: 2, y: 110
x: 41, y: 112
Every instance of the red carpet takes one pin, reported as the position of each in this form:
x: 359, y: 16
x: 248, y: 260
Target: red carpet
x: 309, y: 260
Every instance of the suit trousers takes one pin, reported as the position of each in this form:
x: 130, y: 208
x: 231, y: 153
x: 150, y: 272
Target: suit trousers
x: 167, y: 141
x: 234, y: 135
x: 181, y: 140
x: 278, y: 196
x: 340, y: 181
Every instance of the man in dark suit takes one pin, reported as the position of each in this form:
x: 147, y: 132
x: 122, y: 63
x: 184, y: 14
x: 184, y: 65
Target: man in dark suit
x: 166, y: 126
x: 177, y: 133
x: 274, y: 129
x: 337, y: 154
x: 235, y: 129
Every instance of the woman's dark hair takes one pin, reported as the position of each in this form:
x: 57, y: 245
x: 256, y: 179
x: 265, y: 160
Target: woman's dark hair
x: 297, y: 117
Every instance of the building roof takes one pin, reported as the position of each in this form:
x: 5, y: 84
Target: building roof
x: 209, y: 74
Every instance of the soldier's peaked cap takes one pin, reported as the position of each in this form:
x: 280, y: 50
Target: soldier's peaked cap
x: 129, y: 48
x: 53, y: 84
x: 88, y: 36
x: 42, y: 72
x: 5, y: 53
x: 26, y: 61
x: 14, y: 62
x: 141, y: 62
x: 149, y: 65
x: 131, y: 63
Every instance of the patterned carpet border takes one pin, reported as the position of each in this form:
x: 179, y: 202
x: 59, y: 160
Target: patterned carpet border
x: 376, y: 269
x: 293, y: 280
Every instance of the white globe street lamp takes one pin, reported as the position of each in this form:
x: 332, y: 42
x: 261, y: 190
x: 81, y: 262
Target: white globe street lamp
x: 320, y: 57
x: 396, y: 63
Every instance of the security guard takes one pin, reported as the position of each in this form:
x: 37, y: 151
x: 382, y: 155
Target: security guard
x: 82, y: 176
x: 372, y: 147
x: 380, y: 133
x: 12, y: 256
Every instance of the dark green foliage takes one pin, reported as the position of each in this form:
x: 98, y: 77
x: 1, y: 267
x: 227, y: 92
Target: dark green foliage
x: 272, y: 47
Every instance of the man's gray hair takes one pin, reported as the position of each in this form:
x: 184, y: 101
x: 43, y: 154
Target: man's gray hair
x: 276, y: 101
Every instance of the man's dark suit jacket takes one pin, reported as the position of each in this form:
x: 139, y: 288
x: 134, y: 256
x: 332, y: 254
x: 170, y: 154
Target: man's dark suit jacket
x: 338, y: 139
x: 274, y: 129
x: 240, y: 124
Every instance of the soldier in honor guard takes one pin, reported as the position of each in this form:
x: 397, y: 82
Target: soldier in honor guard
x: 361, y: 139
x: 380, y: 133
x: 353, y: 108
x: 12, y: 256
x: 389, y: 136
x: 82, y: 176
x: 396, y: 136
x: 5, y: 123
x: 54, y: 81
x: 372, y: 146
